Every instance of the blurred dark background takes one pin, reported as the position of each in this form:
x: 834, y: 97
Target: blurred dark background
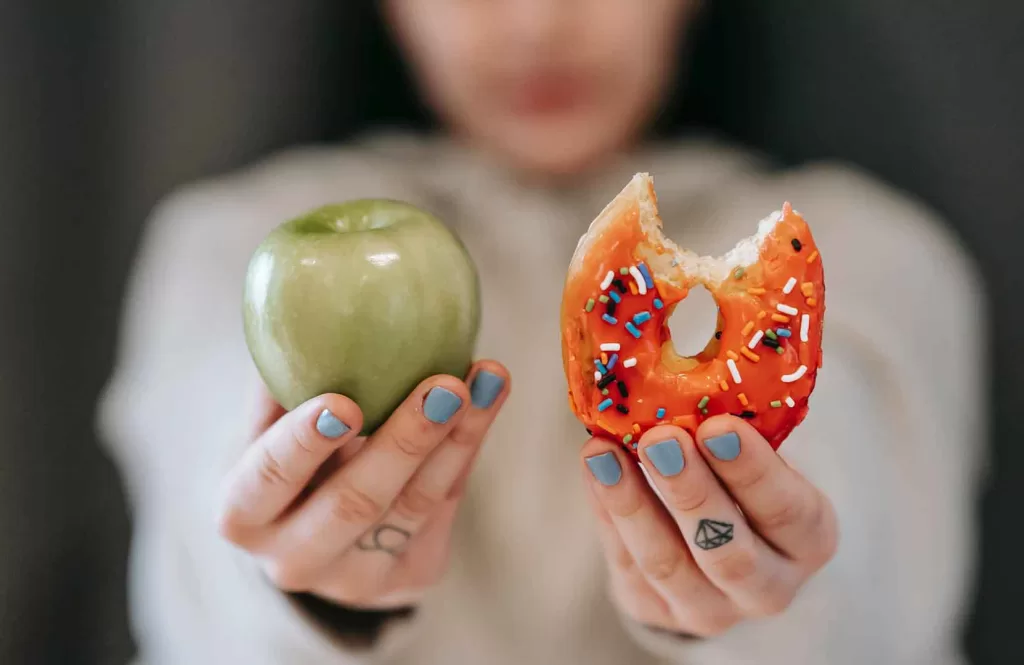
x: 106, y: 106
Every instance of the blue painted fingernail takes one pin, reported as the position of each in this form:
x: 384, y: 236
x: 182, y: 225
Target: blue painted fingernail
x: 329, y: 425
x: 725, y: 447
x: 605, y: 468
x: 440, y: 405
x: 485, y: 389
x: 667, y: 457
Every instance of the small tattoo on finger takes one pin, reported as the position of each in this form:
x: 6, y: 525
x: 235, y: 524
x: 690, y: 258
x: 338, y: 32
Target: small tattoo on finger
x: 384, y: 538
x: 712, y: 534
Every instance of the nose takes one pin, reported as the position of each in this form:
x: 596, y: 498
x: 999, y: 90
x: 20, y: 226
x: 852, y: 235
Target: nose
x: 538, y: 24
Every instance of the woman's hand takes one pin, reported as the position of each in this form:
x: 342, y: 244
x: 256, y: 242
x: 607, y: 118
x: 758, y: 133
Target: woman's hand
x: 737, y: 535
x: 363, y: 522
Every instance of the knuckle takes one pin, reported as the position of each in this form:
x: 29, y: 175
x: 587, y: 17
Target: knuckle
x: 785, y: 514
x: 662, y: 565
x: 774, y: 603
x: 748, y: 478
x: 285, y: 577
x: 825, y: 532
x: 712, y: 625
x: 271, y: 470
x: 230, y: 528
x: 352, y: 505
x: 412, y: 442
x: 736, y: 567
x: 414, y: 504
x: 623, y: 505
x: 464, y: 437
x: 689, y: 497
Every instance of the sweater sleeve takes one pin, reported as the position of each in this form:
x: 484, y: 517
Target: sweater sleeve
x: 175, y: 415
x: 895, y: 436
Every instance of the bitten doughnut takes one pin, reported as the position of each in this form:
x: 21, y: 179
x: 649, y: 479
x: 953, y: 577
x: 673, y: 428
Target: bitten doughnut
x: 625, y: 279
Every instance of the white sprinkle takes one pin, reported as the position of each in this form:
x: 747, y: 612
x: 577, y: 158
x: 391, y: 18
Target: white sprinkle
x: 755, y: 339
x: 607, y: 280
x: 735, y: 371
x: 788, y: 288
x: 641, y: 285
x: 790, y: 403
x: 610, y: 346
x: 629, y: 362
x: 597, y: 376
x: 786, y: 309
x: 790, y: 378
x: 805, y: 324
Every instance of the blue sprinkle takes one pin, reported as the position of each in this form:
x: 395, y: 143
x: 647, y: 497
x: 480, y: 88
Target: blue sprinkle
x: 641, y: 317
x: 632, y: 330
x: 658, y: 304
x: 609, y: 319
x: 783, y: 332
x: 600, y: 366
x: 647, y: 275
x: 611, y: 361
x: 660, y: 413
x: 614, y: 295
x: 603, y: 406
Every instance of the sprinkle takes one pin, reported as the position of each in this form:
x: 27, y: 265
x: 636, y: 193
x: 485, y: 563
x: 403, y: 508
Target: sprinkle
x: 783, y: 332
x: 724, y: 385
x: 623, y: 270
x: 629, y: 362
x: 762, y: 314
x: 814, y: 255
x: 622, y: 388
x: 605, y: 380
x: 747, y: 328
x: 611, y: 361
x: 610, y: 309
x: 780, y: 318
x: 747, y: 414
x: 732, y: 355
x: 597, y: 375
x: 775, y: 404
x: 779, y: 350
x: 788, y: 288
x: 753, y: 357
x: 636, y: 428
x: 739, y: 272
x: 622, y: 408
x: 660, y: 413
x: 770, y: 334
x: 600, y: 366
x: 805, y: 324
x: 610, y: 320
x: 647, y: 275
x: 626, y: 439
x: 641, y: 285
x: 789, y: 402
x: 703, y: 412
x: 590, y: 305
x: 771, y: 343
x: 743, y: 399
x: 641, y: 317
x: 756, y: 291
x: 604, y: 391
x: 611, y: 346
x: 790, y: 378
x: 811, y: 302
x: 658, y: 304
x: 603, y: 425
x: 603, y: 406
x: 786, y: 309
x: 607, y: 281
x: 735, y: 371
x: 615, y: 296
x: 602, y: 299
x: 755, y: 339
x: 807, y: 288
x: 796, y: 244
x: 632, y: 330
x: 718, y: 334
x: 703, y: 402
x: 620, y: 285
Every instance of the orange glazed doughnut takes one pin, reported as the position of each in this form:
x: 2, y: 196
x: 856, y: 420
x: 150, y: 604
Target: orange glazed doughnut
x: 624, y: 281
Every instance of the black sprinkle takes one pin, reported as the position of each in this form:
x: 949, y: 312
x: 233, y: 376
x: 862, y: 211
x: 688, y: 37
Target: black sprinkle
x: 589, y: 432
x: 796, y: 244
x: 611, y: 308
x: 622, y: 389
x: 622, y: 408
x: 619, y: 285
x: 605, y: 380
x: 770, y: 343
x: 718, y: 334
x: 747, y: 414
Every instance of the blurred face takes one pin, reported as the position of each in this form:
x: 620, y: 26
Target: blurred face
x: 548, y: 85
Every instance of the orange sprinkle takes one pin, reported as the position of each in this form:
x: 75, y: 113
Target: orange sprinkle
x: 632, y: 288
x: 636, y: 428
x: 679, y: 420
x: 812, y: 302
x: 604, y: 358
x: 605, y: 426
x: 749, y: 354
x: 747, y: 328
x: 743, y: 399
x: 732, y: 355
x: 755, y: 291
x: 807, y: 288
x: 661, y: 294
x: 724, y: 386
x: 814, y: 255
x: 762, y: 314
x: 780, y: 318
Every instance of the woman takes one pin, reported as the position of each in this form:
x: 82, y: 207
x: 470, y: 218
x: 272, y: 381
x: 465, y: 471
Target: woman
x: 421, y: 544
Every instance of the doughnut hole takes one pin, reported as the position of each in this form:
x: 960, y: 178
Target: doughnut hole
x: 692, y: 324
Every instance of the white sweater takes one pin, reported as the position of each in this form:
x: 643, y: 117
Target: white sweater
x: 895, y: 433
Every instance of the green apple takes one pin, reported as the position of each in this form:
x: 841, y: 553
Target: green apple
x: 365, y: 299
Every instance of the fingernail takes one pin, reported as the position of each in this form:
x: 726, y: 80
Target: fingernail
x: 329, y: 425
x: 440, y: 405
x: 485, y: 388
x: 605, y: 468
x: 725, y: 447
x: 667, y: 457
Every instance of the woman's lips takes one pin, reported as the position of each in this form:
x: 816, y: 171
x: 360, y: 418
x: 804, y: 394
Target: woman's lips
x: 547, y: 94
